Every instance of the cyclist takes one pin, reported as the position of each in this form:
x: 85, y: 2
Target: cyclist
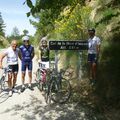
x: 44, y: 52
x: 12, y: 61
x: 44, y: 56
x: 93, y: 53
x: 26, y: 55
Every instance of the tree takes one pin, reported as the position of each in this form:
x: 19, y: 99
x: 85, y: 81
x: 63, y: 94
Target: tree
x: 2, y: 26
x: 15, y: 32
x: 25, y: 32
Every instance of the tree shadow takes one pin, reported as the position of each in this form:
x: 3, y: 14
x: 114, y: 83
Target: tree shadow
x: 3, y: 96
x: 38, y: 109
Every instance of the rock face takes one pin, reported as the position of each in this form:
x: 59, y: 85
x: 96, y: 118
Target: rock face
x: 106, y: 16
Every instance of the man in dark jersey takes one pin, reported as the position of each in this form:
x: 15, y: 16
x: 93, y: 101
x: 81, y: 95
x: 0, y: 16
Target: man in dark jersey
x: 26, y: 55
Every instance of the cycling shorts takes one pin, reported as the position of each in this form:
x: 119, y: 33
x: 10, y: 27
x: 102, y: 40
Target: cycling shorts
x: 13, y: 68
x: 26, y: 65
x: 92, y: 58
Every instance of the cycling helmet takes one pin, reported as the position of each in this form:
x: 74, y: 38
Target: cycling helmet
x: 91, y: 29
x: 25, y: 38
x: 44, y: 39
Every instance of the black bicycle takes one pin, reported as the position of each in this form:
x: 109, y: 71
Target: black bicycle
x: 58, y: 88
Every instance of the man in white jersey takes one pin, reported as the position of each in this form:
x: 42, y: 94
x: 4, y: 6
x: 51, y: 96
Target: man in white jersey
x: 12, y: 60
x: 93, y: 53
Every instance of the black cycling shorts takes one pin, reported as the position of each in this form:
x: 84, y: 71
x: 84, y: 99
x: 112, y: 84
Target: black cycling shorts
x: 92, y: 58
x: 13, y: 68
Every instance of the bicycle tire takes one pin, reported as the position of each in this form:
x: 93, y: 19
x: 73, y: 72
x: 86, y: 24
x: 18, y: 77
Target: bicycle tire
x: 62, y: 91
x: 48, y: 93
x: 38, y: 79
x: 2, y: 84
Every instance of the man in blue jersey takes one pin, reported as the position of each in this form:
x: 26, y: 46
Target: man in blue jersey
x: 26, y: 55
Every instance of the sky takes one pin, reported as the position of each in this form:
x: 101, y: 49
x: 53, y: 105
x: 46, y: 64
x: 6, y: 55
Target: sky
x: 14, y: 15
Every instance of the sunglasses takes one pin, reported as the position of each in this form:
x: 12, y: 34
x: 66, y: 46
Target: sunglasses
x: 26, y: 41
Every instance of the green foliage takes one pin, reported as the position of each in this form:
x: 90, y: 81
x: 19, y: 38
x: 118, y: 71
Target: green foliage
x: 3, y: 42
x: 25, y: 32
x: 45, y: 22
x: 56, y: 6
x: 74, y: 22
x: 108, y: 14
x: 15, y: 32
x: 2, y: 26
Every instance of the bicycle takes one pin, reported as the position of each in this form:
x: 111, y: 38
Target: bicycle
x: 3, y: 79
x: 58, y: 88
x: 41, y: 76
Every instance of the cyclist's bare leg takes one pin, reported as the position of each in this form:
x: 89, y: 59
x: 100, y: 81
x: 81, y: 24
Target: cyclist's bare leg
x: 14, y: 78
x: 10, y: 80
x: 23, y: 78
x: 23, y: 81
x: 10, y: 83
x: 30, y: 80
x: 94, y: 71
x: 30, y: 76
x: 90, y: 70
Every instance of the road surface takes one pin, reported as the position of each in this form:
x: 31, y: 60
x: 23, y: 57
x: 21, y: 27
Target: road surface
x: 30, y: 105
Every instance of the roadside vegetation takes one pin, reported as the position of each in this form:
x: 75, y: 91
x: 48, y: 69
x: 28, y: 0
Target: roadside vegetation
x: 69, y: 20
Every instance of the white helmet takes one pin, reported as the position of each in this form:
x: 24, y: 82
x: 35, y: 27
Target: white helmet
x: 25, y: 38
x: 44, y: 39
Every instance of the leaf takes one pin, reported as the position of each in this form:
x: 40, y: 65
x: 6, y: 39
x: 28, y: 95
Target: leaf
x: 28, y: 14
x: 29, y: 3
x: 24, y: 3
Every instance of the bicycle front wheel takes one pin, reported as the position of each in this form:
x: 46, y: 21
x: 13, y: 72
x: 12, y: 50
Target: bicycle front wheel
x: 38, y: 80
x: 61, y: 91
x: 2, y: 84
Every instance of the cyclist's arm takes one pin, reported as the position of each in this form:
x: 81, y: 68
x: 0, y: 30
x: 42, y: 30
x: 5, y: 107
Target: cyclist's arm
x: 39, y: 53
x: 98, y: 49
x: 2, y: 55
x: 19, y: 54
x: 33, y: 53
x: 98, y: 45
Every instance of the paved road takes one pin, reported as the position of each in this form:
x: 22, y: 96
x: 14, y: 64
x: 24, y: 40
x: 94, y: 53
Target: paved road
x: 30, y: 105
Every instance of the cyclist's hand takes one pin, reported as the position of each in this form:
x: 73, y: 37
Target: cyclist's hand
x: 39, y: 61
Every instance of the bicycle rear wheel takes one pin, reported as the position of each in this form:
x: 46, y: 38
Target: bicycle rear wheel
x: 2, y: 84
x: 61, y: 91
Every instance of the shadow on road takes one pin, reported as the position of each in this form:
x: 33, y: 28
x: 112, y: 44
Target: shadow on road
x: 3, y: 96
x: 39, y: 110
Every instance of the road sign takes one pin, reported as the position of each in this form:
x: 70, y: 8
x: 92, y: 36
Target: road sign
x: 68, y: 45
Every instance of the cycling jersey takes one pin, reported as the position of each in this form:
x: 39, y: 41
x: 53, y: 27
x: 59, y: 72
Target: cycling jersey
x: 12, y: 56
x: 26, y: 53
x: 44, y: 54
x: 92, y: 45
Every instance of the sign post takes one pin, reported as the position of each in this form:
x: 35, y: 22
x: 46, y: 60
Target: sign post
x: 67, y: 45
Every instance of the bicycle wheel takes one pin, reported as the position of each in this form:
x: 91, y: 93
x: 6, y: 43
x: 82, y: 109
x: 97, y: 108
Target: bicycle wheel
x: 48, y: 92
x: 38, y: 79
x: 2, y: 84
x: 61, y: 91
